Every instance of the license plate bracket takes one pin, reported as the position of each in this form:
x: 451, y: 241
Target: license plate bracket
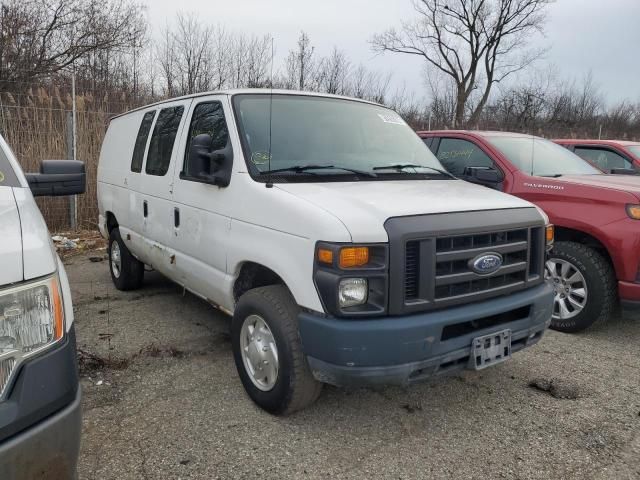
x: 491, y: 349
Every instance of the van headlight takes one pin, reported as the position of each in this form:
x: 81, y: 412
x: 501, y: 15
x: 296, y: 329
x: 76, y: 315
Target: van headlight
x: 352, y: 279
x: 31, y: 320
x: 352, y: 292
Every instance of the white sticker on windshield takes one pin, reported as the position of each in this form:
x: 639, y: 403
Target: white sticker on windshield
x: 391, y: 118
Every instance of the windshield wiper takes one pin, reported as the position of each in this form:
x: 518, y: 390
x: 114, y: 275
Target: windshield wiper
x: 556, y: 175
x: 401, y: 166
x: 306, y: 168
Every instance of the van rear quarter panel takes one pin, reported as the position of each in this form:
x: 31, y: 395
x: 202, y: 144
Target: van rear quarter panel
x: 114, y: 166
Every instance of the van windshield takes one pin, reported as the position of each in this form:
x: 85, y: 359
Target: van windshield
x: 540, y: 157
x: 313, y: 138
x: 8, y: 177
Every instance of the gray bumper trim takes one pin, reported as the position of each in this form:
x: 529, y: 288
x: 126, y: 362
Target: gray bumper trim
x: 410, y: 372
x: 48, y: 449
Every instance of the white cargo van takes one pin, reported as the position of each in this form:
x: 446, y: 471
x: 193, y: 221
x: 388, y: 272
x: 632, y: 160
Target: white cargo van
x: 344, y: 252
x: 40, y: 419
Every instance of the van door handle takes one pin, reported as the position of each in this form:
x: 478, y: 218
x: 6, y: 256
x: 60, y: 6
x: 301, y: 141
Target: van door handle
x: 145, y: 209
x: 176, y: 217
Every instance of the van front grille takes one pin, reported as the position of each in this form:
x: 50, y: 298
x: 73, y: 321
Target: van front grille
x: 450, y: 275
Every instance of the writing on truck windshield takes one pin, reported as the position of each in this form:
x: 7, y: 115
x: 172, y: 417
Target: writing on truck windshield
x: 540, y: 157
x: 327, y: 136
x: 7, y: 175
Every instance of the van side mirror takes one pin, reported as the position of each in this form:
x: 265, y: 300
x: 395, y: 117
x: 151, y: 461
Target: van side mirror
x: 58, y: 178
x: 624, y: 171
x: 487, y: 176
x: 205, y: 166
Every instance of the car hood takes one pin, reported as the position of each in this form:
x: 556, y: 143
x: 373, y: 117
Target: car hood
x: 26, y: 251
x: 625, y: 183
x: 363, y: 207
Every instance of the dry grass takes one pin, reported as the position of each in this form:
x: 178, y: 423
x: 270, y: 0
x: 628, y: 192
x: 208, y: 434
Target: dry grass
x: 34, y: 124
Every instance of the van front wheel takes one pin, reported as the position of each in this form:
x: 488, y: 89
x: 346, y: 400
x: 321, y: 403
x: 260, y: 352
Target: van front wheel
x: 268, y: 353
x: 127, y: 271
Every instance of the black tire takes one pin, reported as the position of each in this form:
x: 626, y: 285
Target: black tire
x: 295, y: 387
x: 600, y: 282
x: 131, y: 271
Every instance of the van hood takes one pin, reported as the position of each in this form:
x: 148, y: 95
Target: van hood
x: 624, y: 183
x: 26, y: 251
x: 364, y: 207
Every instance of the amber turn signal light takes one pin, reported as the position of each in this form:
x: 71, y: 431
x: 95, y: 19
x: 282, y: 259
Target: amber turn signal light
x: 325, y: 256
x: 550, y: 234
x: 354, y: 257
x: 633, y: 211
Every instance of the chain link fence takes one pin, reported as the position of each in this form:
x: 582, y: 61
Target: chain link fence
x: 38, y: 125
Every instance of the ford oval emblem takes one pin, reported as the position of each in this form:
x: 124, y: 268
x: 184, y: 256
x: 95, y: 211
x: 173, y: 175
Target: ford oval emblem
x: 486, y: 263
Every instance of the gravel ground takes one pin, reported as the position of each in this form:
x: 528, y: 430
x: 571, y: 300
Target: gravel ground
x: 162, y: 400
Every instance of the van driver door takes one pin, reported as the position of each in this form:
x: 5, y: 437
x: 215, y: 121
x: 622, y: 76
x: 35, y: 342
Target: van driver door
x: 201, y: 221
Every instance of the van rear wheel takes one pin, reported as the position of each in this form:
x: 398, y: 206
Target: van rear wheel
x: 268, y: 352
x: 127, y: 272
x: 585, y: 286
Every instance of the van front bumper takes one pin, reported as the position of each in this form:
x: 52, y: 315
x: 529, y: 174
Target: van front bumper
x: 405, y: 349
x: 40, y: 420
x: 48, y: 449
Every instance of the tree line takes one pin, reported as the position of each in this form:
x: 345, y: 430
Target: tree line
x: 480, y: 67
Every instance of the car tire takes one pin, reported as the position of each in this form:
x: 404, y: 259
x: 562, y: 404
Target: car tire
x: 127, y: 272
x: 598, y: 282
x: 286, y: 384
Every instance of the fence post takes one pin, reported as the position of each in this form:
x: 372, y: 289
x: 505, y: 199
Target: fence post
x: 73, y: 201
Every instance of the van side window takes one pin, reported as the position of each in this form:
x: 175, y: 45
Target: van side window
x: 457, y: 154
x: 162, y: 140
x: 141, y: 141
x: 208, y: 118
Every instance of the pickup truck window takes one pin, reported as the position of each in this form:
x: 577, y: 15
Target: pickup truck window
x: 540, y: 157
x: 602, y: 158
x: 302, y: 131
x: 141, y: 141
x: 162, y: 140
x: 207, y: 118
x: 457, y: 154
x: 7, y: 175
x: 635, y: 149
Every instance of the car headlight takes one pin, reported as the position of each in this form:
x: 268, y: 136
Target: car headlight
x: 31, y: 320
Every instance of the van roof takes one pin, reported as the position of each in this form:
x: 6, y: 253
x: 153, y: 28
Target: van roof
x: 254, y: 91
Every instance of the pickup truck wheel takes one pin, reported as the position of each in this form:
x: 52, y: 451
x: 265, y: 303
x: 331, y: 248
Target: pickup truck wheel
x: 127, y: 272
x: 268, y: 352
x: 585, y: 286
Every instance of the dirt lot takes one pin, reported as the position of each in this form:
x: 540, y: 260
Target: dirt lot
x: 162, y: 400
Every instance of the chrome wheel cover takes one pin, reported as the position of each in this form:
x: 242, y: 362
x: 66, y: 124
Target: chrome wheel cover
x: 116, y: 259
x: 570, y: 288
x: 259, y: 352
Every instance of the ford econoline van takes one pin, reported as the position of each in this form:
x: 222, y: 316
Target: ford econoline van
x: 40, y: 419
x: 332, y: 235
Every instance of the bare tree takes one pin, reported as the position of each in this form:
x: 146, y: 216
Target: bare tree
x: 300, y: 65
x: 42, y: 37
x: 369, y: 85
x: 333, y: 73
x: 476, y: 43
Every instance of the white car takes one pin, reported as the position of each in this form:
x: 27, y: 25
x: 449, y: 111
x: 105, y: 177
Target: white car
x: 40, y: 418
x: 323, y: 224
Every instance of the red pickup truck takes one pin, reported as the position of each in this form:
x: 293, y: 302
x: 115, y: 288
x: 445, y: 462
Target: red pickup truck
x: 610, y: 156
x: 596, y: 257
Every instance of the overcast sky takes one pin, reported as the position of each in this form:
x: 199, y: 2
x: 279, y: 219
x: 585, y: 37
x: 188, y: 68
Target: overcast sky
x: 583, y: 35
